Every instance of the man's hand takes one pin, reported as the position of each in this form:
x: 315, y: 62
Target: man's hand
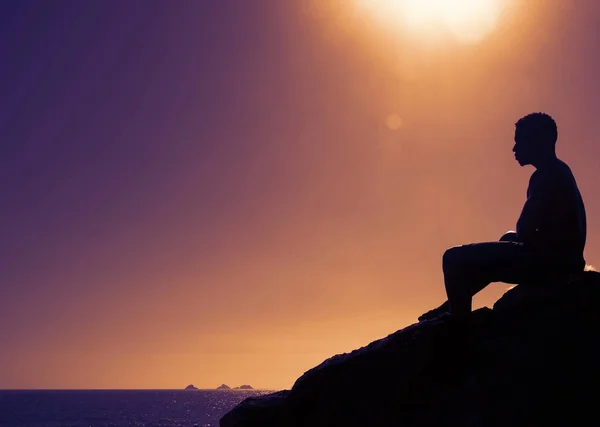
x: 509, y: 236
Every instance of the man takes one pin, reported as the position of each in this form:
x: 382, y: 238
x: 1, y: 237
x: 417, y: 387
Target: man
x: 551, y: 230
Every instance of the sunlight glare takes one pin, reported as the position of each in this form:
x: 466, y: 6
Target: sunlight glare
x: 469, y: 21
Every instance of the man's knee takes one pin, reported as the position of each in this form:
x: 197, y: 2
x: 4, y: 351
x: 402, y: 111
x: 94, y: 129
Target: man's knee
x: 458, y: 259
x: 451, y: 258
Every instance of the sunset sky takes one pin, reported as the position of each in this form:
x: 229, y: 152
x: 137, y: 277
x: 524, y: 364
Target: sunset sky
x: 232, y: 191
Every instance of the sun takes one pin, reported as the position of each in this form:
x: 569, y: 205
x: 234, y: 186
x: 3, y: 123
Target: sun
x: 469, y: 21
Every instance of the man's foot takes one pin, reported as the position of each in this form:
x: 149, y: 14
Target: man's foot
x: 436, y: 312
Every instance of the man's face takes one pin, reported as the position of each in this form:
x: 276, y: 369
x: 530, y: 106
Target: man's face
x: 524, y: 148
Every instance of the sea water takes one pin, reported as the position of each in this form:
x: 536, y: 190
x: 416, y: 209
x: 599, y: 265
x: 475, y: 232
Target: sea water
x: 118, y: 408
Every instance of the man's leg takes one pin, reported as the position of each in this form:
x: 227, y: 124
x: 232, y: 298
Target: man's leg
x: 470, y: 268
x: 475, y: 287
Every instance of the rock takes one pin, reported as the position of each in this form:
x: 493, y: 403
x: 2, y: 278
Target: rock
x: 529, y: 361
x: 223, y: 387
x: 267, y: 410
x: 191, y: 387
x: 244, y: 387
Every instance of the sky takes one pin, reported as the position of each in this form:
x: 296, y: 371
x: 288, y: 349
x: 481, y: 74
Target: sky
x: 233, y: 191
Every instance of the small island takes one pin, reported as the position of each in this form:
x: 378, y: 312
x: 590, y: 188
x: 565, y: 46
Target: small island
x: 244, y: 387
x: 223, y: 387
x: 191, y: 387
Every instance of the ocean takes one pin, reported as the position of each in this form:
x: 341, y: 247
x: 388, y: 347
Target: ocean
x: 118, y: 408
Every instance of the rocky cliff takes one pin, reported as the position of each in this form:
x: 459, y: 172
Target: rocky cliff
x: 531, y: 360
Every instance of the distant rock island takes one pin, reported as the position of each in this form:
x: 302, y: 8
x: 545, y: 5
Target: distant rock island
x: 531, y: 360
x: 191, y: 387
x: 242, y: 387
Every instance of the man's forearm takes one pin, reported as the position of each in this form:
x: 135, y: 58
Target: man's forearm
x: 510, y: 236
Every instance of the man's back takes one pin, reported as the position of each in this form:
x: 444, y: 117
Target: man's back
x: 553, y: 219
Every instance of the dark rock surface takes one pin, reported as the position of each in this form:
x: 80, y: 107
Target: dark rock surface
x: 191, y: 387
x: 223, y: 387
x: 532, y: 360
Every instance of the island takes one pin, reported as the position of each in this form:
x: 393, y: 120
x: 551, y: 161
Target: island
x: 223, y: 387
x: 191, y: 387
x: 244, y: 387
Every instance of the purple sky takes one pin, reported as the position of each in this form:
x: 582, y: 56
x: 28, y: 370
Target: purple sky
x: 190, y: 173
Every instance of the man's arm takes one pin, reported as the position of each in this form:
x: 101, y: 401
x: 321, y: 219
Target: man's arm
x: 538, y: 207
x: 509, y: 236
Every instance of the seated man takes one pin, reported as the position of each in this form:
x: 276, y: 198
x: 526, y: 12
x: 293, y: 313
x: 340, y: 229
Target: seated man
x: 551, y: 230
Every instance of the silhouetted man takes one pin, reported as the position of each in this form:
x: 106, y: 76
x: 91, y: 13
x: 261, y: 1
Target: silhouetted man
x: 551, y: 230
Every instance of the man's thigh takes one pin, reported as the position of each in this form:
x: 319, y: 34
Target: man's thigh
x: 508, y: 262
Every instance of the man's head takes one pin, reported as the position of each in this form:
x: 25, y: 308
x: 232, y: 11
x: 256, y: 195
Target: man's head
x: 535, y: 139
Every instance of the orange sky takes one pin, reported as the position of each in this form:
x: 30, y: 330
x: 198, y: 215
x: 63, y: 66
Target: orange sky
x: 212, y: 194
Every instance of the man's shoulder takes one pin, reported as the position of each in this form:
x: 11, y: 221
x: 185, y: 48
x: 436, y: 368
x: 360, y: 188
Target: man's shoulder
x: 557, y: 169
x: 563, y: 167
x: 557, y: 175
x: 563, y: 172
x: 546, y: 177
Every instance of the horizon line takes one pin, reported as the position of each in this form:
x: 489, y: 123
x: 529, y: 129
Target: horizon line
x: 137, y: 389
